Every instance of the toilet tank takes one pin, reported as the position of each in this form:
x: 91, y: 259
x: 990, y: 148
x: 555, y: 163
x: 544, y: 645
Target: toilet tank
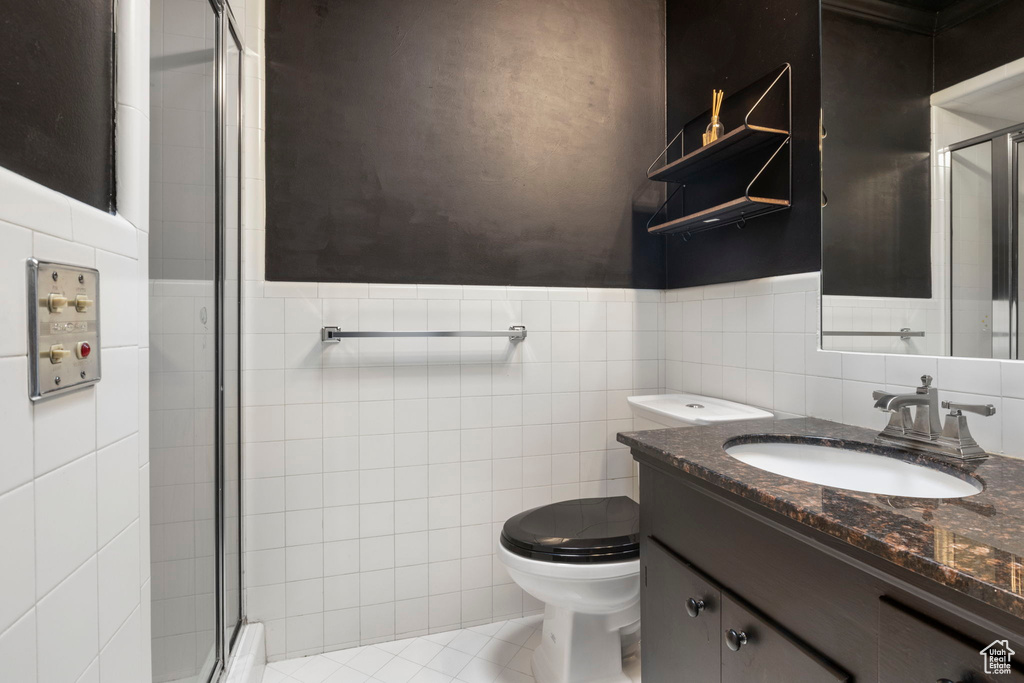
x: 657, y: 411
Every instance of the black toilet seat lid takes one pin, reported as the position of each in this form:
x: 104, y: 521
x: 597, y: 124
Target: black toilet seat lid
x: 587, y: 530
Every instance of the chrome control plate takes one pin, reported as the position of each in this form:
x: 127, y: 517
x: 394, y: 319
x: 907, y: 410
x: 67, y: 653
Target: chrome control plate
x: 63, y: 328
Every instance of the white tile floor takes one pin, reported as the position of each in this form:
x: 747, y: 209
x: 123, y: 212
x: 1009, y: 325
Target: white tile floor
x: 493, y: 653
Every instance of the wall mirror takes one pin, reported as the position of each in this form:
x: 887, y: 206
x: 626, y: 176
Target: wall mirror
x: 923, y: 177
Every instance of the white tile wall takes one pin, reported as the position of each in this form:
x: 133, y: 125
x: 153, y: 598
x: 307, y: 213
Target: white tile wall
x: 379, y: 471
x: 783, y: 368
x: 74, y: 472
x: 890, y: 314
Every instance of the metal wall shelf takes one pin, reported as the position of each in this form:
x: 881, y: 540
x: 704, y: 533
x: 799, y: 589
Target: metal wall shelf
x: 735, y: 146
x: 736, y: 211
x: 731, y: 145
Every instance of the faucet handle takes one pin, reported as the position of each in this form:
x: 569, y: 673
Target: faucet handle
x: 926, y: 380
x: 959, y: 408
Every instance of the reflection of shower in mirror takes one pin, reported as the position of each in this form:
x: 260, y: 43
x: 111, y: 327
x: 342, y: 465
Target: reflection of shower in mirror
x: 921, y: 230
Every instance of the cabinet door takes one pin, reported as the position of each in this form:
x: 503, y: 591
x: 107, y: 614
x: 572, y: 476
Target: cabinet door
x: 678, y: 647
x: 913, y: 647
x: 756, y: 651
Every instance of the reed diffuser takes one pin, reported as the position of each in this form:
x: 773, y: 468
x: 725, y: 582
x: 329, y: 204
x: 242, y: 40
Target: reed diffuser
x: 715, y: 129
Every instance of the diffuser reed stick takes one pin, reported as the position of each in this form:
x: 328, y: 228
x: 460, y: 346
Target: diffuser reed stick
x: 715, y: 128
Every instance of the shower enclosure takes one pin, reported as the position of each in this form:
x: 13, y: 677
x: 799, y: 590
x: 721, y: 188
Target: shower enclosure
x: 985, y: 214
x: 194, y: 271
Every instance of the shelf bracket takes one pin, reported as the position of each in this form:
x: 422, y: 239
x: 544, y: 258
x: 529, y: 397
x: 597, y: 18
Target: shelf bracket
x: 787, y: 70
x: 662, y: 207
x: 664, y: 151
x: 768, y: 163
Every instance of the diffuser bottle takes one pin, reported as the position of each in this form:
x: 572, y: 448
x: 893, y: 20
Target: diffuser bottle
x: 715, y: 130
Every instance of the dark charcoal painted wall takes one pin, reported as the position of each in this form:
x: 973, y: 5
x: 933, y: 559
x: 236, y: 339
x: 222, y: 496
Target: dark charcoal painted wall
x: 984, y: 42
x: 728, y: 44
x: 57, y: 95
x: 471, y: 142
x: 876, y: 227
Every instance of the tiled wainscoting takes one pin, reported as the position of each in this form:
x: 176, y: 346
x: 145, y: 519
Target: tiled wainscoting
x: 74, y: 470
x: 757, y: 342
x: 379, y: 471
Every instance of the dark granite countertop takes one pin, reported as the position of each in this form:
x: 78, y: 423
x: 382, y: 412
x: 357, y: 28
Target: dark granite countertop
x: 973, y: 545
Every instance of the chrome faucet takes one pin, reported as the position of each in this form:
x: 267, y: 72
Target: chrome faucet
x: 926, y: 423
x: 923, y: 431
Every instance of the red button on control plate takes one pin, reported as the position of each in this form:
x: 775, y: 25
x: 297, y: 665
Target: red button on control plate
x: 84, y: 349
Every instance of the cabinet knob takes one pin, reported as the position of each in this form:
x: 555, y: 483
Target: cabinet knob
x: 694, y: 607
x: 734, y: 639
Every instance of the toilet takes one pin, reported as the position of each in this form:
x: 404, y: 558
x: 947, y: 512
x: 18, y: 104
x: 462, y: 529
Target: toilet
x: 582, y: 559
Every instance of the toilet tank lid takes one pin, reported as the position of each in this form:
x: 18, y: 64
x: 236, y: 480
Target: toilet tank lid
x: 697, y: 410
x: 583, y: 527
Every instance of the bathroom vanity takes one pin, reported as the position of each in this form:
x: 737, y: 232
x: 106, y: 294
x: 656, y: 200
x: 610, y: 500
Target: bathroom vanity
x: 753, y: 576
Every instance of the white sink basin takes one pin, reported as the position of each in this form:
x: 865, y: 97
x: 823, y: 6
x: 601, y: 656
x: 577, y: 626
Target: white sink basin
x: 853, y: 470
x: 680, y: 410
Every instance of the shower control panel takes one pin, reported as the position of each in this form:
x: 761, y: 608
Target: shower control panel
x: 63, y: 328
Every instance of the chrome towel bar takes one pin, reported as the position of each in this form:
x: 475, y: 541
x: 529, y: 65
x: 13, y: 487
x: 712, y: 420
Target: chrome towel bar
x: 516, y: 333
x: 904, y: 333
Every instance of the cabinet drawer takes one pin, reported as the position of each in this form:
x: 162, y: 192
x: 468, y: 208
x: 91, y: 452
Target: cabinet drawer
x: 913, y: 647
x: 676, y: 645
x: 684, y: 648
x: 764, y: 653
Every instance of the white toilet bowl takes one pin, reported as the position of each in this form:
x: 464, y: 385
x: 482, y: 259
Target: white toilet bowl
x: 581, y: 558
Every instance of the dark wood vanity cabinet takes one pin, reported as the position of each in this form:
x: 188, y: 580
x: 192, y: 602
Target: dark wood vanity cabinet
x: 914, y: 647
x: 686, y: 613
x: 810, y: 611
x: 704, y: 634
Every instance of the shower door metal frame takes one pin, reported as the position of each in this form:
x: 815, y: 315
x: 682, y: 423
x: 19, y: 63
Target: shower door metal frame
x: 218, y: 106
x: 1016, y: 141
x: 1005, y: 239
x: 226, y: 30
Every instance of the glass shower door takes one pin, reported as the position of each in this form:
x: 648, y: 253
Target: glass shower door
x: 195, y: 299
x: 974, y: 270
x: 183, y: 342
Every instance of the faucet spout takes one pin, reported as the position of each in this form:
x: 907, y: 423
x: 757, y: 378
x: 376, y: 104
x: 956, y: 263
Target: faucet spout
x: 890, y: 403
